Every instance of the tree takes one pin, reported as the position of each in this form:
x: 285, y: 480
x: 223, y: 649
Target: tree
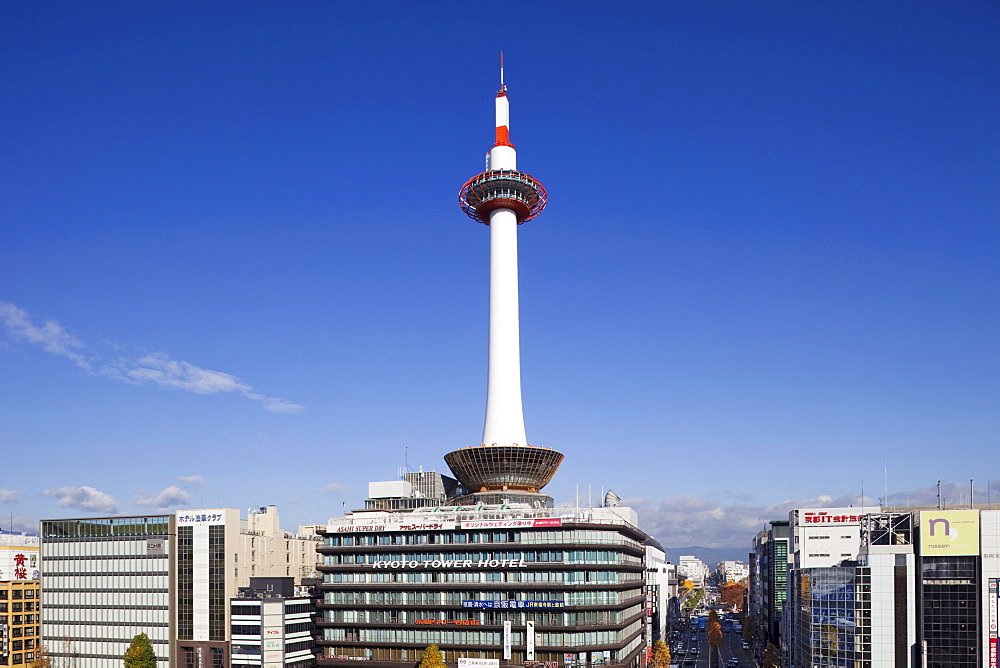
x: 140, y: 653
x: 432, y: 658
x: 713, y: 633
x: 772, y: 657
x: 750, y: 631
x: 731, y: 594
x: 661, y: 655
x: 42, y: 658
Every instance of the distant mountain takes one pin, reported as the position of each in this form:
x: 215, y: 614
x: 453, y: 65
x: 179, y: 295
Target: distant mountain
x: 710, y: 555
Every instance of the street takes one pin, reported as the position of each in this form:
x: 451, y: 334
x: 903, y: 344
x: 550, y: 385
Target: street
x: 691, y: 649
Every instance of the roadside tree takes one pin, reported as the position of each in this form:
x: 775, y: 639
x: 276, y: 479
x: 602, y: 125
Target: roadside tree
x: 661, y: 655
x: 432, y: 658
x: 713, y: 633
x: 772, y: 657
x: 731, y: 594
x: 140, y: 653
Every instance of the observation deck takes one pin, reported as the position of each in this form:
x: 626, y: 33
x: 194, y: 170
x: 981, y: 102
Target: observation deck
x: 484, y: 468
x: 502, y: 189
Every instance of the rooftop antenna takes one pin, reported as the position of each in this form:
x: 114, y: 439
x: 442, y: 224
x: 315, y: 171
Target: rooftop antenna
x: 972, y: 491
x: 885, y: 480
x: 503, y: 87
x: 939, y: 494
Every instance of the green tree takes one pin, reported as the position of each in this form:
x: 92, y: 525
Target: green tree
x: 750, y: 630
x: 432, y: 658
x: 661, y: 655
x: 140, y: 653
x: 772, y: 657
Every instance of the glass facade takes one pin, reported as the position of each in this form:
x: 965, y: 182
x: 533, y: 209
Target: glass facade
x: 829, y: 601
x: 217, y: 583
x: 950, y: 600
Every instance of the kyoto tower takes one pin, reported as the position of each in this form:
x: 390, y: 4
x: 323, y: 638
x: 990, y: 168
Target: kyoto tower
x: 504, y: 467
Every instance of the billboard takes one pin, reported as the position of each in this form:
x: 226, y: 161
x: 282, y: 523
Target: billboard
x: 478, y: 663
x: 513, y: 523
x: 949, y: 533
x: 19, y: 563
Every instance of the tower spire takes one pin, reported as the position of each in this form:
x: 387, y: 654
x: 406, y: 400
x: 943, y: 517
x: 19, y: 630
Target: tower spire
x: 503, y: 88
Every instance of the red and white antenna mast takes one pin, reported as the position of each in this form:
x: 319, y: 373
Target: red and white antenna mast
x: 503, y: 198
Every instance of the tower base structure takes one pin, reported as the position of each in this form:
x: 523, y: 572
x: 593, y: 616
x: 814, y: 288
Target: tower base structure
x: 505, y: 497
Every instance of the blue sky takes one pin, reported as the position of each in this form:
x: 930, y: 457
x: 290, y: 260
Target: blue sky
x: 234, y: 271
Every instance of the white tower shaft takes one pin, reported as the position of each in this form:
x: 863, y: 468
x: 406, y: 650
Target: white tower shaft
x: 504, y: 414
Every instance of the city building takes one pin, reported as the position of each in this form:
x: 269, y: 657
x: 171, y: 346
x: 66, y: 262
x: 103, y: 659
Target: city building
x: 732, y: 571
x: 902, y: 586
x: 272, y: 625
x: 661, y: 593
x: 767, y: 594
x: 509, y: 582
x: 694, y: 569
x: 823, y: 582
x: 105, y: 580
x: 20, y: 635
x: 414, y: 489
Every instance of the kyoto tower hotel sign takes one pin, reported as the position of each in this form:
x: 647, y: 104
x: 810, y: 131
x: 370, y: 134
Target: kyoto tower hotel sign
x: 503, y: 466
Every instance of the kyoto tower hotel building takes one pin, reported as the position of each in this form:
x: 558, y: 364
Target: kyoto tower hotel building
x: 492, y: 573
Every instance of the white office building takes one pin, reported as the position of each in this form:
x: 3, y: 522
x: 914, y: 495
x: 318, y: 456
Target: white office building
x: 732, y: 571
x: 694, y: 569
x: 104, y: 581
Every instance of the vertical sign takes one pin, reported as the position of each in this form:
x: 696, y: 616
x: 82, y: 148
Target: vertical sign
x: 900, y: 613
x: 530, y: 642
x: 506, y: 640
x: 993, y: 602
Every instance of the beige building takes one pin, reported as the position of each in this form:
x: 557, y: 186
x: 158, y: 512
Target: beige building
x: 269, y: 551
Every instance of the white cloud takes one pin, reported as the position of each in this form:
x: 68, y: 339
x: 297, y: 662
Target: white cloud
x: 337, y: 488
x: 21, y: 523
x: 169, y: 497
x: 192, y: 482
x: 8, y: 496
x: 953, y: 494
x: 50, y: 336
x: 144, y: 369
x: 689, y: 520
x: 85, y: 498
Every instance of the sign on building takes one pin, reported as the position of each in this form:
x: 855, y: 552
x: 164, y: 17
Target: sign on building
x: 949, y: 533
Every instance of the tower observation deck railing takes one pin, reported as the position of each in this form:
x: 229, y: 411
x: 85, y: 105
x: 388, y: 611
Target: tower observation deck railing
x: 502, y: 189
